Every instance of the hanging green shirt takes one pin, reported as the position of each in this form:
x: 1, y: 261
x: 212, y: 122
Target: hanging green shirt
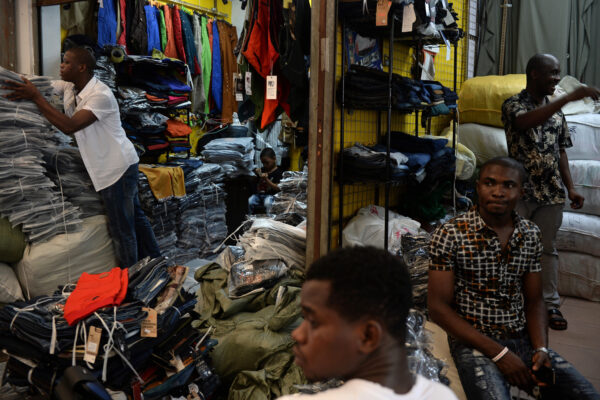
x: 163, y: 30
x: 206, y: 64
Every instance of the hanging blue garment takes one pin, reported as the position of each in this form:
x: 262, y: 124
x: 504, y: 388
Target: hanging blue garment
x: 217, y: 73
x: 107, y: 23
x: 152, y: 29
x: 188, y: 43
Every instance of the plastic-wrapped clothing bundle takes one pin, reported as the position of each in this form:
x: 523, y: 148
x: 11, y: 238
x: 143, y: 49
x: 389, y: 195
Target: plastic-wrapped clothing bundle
x: 267, y: 239
x: 132, y: 99
x: 235, y: 155
x: 105, y: 72
x: 415, y: 253
x: 292, y: 196
x: 245, y: 277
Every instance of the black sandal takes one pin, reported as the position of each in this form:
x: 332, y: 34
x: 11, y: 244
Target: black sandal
x: 556, y: 320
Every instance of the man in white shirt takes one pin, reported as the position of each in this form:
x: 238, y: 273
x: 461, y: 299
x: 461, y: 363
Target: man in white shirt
x: 355, y: 302
x: 92, y: 115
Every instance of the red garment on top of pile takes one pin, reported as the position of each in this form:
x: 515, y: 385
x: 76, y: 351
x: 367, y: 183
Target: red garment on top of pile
x: 94, y: 291
x: 177, y: 128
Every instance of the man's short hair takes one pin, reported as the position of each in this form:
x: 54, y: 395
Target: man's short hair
x: 267, y: 152
x: 367, y: 282
x: 506, y: 162
x: 85, y: 57
x: 535, y: 62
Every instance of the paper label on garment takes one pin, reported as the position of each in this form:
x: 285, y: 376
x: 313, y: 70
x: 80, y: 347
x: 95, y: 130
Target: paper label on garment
x: 448, y: 19
x: 149, y: 325
x: 272, y: 87
x: 248, y: 83
x: 408, y: 18
x: 381, y: 14
x: 101, y: 2
x: 93, y: 344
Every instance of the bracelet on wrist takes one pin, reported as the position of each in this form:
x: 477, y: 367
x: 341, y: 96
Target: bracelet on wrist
x: 500, y: 355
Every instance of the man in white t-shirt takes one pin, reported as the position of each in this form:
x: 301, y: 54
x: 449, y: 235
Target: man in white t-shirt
x: 355, y: 302
x: 92, y: 116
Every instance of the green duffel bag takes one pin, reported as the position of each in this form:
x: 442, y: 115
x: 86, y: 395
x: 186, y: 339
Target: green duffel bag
x: 12, y: 242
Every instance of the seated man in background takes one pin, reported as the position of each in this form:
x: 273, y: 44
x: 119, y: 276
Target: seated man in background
x: 268, y: 178
x: 485, y: 290
x: 355, y: 302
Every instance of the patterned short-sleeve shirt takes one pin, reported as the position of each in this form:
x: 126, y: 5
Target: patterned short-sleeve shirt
x: 537, y: 149
x: 488, y: 288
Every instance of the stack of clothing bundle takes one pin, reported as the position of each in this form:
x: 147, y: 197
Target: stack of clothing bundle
x: 201, y: 226
x: 149, y: 90
x: 155, y: 348
x: 27, y: 196
x: 292, y: 197
x: 369, y: 163
x: 106, y: 73
x: 367, y: 88
x: 235, y: 155
x: 66, y: 169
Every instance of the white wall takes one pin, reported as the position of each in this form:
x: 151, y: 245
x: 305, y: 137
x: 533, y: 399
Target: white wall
x: 50, y: 43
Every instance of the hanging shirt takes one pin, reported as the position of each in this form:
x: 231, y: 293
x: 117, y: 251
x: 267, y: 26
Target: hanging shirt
x: 122, y: 39
x: 170, y: 49
x: 206, y: 63
x: 137, y: 37
x: 188, y: 43
x: 162, y: 28
x: 228, y: 41
x: 107, y: 24
x: 104, y: 148
x: 152, y: 29
x: 216, y: 82
x: 178, y: 34
x: 198, y: 97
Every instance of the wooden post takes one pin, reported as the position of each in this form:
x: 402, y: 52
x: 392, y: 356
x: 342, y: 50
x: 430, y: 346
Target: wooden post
x: 320, y: 133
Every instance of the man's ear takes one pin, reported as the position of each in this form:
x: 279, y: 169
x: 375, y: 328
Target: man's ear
x: 371, y: 334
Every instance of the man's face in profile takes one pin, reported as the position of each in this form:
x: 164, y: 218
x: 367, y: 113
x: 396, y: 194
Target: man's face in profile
x: 326, y: 344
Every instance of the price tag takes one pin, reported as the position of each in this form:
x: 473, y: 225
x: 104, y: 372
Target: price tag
x: 238, y: 84
x: 239, y: 96
x: 248, y: 84
x: 381, y: 15
x: 149, y: 325
x: 408, y: 18
x: 272, y: 87
x: 93, y: 344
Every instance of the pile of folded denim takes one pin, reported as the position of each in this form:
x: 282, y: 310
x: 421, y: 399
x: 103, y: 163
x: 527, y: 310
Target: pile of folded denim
x: 66, y: 169
x: 191, y: 226
x: 27, y: 196
x: 367, y: 88
x: 41, y: 344
x: 235, y: 155
x: 292, y: 197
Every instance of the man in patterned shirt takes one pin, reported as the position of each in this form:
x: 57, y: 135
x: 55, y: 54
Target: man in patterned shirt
x: 485, y: 290
x: 537, y: 136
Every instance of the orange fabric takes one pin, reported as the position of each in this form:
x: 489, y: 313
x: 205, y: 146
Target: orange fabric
x: 228, y: 42
x: 177, y: 128
x: 94, y: 291
x: 170, y: 50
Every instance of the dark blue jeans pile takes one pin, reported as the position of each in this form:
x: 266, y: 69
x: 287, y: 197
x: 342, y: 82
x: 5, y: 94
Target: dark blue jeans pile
x: 40, y: 342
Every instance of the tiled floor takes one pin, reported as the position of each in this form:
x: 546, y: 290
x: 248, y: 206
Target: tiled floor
x: 580, y: 343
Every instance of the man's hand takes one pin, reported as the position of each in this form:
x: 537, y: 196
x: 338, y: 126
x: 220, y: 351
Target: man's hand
x: 516, y: 372
x: 540, y: 360
x: 583, y: 92
x: 576, y: 199
x: 21, y: 91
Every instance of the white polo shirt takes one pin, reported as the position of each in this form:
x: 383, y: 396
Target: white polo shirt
x: 104, y: 148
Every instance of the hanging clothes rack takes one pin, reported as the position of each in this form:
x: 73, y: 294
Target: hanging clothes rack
x: 212, y: 11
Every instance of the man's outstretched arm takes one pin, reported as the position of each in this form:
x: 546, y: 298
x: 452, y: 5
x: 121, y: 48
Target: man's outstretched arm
x: 28, y: 91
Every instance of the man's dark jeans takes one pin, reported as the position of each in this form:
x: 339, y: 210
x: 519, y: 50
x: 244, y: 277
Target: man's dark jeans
x: 128, y: 226
x: 481, y: 378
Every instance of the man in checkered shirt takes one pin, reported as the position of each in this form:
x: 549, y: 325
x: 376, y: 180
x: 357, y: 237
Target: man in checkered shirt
x: 485, y: 290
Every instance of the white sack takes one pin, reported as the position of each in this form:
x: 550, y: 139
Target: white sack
x: 586, y: 179
x: 579, y: 275
x: 579, y: 233
x: 486, y: 142
x: 367, y: 228
x: 10, y: 290
x: 585, y: 134
x: 64, y: 258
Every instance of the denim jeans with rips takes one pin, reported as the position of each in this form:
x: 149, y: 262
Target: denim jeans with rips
x: 482, y: 379
x: 129, y: 228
